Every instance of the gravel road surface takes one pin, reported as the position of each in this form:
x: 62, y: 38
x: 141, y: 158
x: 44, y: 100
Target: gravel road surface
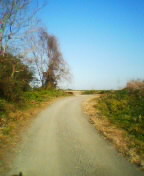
x: 61, y: 142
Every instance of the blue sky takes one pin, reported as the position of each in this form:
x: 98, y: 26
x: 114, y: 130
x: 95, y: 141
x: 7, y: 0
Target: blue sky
x: 102, y: 40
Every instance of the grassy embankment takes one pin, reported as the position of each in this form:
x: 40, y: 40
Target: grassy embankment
x: 119, y: 115
x: 15, y: 117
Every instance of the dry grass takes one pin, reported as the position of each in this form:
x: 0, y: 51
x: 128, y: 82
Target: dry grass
x: 11, y: 130
x: 135, y: 85
x: 125, y: 144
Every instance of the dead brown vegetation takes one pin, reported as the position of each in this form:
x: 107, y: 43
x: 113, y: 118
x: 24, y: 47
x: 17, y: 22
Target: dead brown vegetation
x: 125, y: 144
x: 11, y: 129
x: 135, y: 85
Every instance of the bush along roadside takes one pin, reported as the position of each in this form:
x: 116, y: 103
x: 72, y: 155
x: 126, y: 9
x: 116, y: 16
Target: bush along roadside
x: 125, y: 110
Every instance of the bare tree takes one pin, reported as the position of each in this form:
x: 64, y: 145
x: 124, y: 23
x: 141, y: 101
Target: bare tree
x: 48, y: 60
x: 36, y: 52
x: 57, y: 66
x: 15, y: 19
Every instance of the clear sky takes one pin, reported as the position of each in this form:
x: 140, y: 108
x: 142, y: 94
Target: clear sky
x: 102, y: 40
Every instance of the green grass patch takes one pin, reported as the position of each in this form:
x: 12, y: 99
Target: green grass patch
x: 40, y: 95
x: 126, y: 109
x: 28, y: 99
x: 88, y: 92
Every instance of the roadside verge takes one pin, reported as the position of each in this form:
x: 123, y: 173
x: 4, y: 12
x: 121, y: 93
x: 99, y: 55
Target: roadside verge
x: 16, y: 122
x: 124, y: 143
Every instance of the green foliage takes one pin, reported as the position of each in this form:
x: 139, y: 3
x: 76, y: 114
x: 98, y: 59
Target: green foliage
x: 2, y: 106
x: 14, y: 78
x: 35, y: 96
x: 40, y: 95
x: 125, y: 108
x: 15, y: 91
x: 87, y: 92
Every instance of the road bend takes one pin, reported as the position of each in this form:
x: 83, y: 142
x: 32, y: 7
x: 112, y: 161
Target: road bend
x: 61, y: 142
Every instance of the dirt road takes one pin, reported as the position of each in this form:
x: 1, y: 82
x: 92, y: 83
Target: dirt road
x: 61, y: 142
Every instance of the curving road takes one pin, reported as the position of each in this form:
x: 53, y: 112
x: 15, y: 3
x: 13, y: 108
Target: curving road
x: 61, y: 142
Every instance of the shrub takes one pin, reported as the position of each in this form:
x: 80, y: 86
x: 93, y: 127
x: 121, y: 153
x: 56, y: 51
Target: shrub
x: 14, y: 77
